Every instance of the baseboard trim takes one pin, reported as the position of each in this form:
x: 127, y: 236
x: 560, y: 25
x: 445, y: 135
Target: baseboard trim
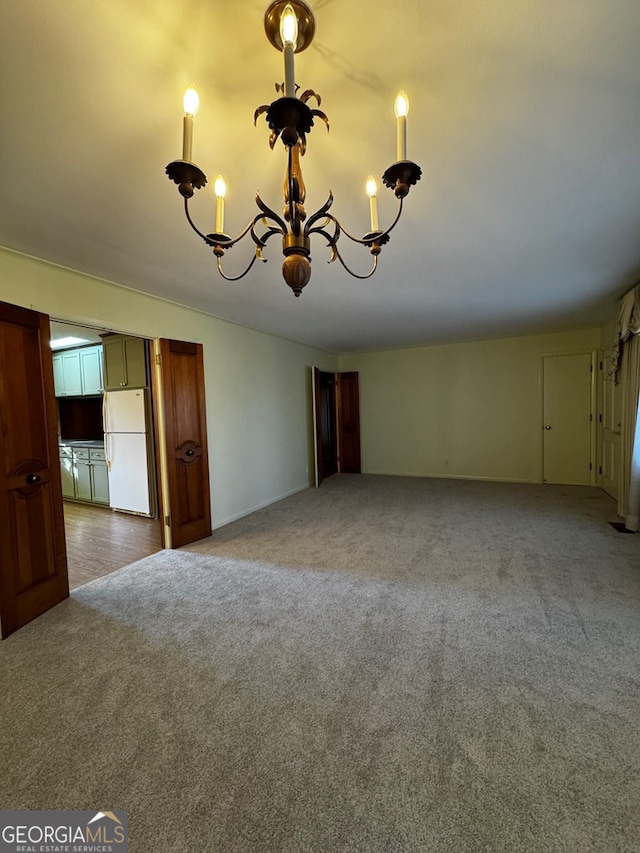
x: 452, y: 477
x: 261, y: 506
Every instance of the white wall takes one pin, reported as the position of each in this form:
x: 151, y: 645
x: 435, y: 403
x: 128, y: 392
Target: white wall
x: 458, y: 410
x: 257, y: 386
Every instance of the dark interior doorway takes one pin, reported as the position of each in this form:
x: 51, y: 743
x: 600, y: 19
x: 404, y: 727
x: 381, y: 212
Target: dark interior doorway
x: 337, y: 423
x: 326, y: 432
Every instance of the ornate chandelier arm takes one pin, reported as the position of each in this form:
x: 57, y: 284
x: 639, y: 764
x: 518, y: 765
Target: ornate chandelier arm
x: 332, y: 240
x: 192, y: 224
x: 259, y: 240
x: 321, y: 213
x: 320, y: 229
x: 267, y: 213
x: 226, y: 242
x: 379, y: 235
x: 242, y: 274
x: 217, y: 240
x: 336, y: 254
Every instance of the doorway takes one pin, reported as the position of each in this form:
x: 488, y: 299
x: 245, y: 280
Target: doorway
x: 33, y: 553
x: 99, y: 539
x: 326, y: 426
x: 336, y: 417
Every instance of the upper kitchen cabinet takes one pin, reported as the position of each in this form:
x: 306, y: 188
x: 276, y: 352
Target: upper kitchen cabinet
x: 125, y: 360
x: 91, y: 370
x: 78, y: 372
x: 66, y: 373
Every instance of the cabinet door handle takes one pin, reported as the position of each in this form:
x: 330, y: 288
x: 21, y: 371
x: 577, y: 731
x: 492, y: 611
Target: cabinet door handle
x: 32, y: 479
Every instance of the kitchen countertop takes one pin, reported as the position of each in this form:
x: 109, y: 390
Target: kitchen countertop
x: 71, y: 442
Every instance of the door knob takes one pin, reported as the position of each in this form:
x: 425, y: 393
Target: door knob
x: 190, y: 452
x: 32, y: 479
x: 546, y: 426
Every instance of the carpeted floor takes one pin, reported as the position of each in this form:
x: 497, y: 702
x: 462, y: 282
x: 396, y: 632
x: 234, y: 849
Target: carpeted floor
x: 380, y: 665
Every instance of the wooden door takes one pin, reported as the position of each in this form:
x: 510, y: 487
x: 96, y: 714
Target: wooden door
x: 325, y: 424
x: 182, y: 439
x: 609, y: 427
x: 348, y: 422
x: 33, y: 563
x: 567, y: 381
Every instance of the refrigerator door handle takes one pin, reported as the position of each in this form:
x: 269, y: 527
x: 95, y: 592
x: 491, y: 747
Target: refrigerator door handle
x: 105, y: 430
x: 105, y: 419
x: 107, y: 449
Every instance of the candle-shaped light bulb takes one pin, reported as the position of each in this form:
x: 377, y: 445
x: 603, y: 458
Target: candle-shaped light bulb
x: 402, y: 105
x: 220, y: 188
x: 289, y: 36
x: 289, y: 26
x: 372, y: 192
x: 190, y: 103
x: 401, y: 110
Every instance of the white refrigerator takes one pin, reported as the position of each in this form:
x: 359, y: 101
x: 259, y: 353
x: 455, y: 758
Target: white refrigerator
x: 125, y: 444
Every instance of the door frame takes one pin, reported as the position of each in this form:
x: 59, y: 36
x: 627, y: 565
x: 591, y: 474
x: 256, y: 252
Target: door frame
x: 157, y: 428
x: 338, y: 414
x: 151, y: 407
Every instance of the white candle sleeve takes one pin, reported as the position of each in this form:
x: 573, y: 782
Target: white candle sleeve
x: 187, y: 137
x: 402, y: 138
x: 289, y: 71
x: 373, y: 209
x: 219, y: 215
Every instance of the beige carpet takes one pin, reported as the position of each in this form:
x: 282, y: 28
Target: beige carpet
x: 380, y: 665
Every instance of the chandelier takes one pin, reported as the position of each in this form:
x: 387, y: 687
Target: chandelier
x: 290, y: 27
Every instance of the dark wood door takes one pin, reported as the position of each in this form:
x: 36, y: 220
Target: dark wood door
x: 349, y: 422
x: 33, y: 563
x: 185, y: 442
x: 325, y: 424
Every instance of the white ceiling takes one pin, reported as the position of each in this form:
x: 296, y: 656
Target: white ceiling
x: 525, y: 117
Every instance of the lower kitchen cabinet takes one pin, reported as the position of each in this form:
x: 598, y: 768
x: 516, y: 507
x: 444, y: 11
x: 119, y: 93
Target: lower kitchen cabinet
x: 66, y: 469
x: 99, y: 477
x: 82, y: 471
x: 84, y: 474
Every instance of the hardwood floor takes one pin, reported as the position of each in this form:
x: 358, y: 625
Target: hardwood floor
x: 99, y: 541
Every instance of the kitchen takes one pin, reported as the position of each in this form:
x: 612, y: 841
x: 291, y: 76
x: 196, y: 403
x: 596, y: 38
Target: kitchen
x: 107, y: 460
